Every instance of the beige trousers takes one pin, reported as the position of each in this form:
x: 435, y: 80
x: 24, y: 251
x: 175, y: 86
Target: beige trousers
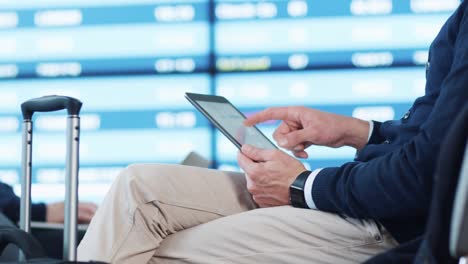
x: 179, y: 214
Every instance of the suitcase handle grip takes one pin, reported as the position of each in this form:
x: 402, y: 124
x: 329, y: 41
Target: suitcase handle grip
x: 50, y: 103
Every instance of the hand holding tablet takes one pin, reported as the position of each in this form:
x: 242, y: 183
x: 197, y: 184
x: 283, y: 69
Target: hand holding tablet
x: 229, y: 120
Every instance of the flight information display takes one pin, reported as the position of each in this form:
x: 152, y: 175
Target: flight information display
x: 77, y: 38
x: 131, y: 62
x: 298, y: 34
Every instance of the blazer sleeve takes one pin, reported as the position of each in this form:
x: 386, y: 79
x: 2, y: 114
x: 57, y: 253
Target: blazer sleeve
x: 399, y: 182
x: 10, y: 205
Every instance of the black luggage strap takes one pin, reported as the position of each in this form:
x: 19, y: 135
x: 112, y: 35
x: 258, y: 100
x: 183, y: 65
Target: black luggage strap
x: 30, y: 247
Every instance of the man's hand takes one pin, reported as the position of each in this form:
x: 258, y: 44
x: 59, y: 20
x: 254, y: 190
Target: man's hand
x: 55, y: 212
x: 303, y: 127
x: 269, y: 174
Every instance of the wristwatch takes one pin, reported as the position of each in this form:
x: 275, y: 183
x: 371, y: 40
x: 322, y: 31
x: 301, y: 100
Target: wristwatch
x: 296, y: 190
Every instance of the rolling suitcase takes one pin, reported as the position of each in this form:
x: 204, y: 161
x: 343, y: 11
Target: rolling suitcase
x: 31, y: 249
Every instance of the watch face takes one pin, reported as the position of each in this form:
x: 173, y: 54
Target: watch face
x: 297, y: 198
x: 296, y: 190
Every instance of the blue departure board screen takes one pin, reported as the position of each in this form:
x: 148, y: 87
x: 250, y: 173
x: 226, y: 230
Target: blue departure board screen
x: 130, y: 63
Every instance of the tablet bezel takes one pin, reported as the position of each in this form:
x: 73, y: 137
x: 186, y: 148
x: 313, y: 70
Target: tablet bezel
x: 194, y: 97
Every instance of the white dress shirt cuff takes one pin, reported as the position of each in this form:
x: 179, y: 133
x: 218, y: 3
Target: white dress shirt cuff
x: 371, y: 129
x: 308, y: 189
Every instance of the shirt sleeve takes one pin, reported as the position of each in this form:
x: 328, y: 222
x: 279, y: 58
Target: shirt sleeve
x: 371, y: 130
x: 10, y: 205
x: 308, y: 189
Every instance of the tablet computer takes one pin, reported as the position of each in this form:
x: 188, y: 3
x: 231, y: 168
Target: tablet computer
x: 229, y: 120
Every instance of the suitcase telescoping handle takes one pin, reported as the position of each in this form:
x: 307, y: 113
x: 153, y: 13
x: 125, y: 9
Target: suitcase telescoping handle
x: 49, y: 104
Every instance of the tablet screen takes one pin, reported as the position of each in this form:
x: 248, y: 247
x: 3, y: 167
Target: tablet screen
x: 232, y: 121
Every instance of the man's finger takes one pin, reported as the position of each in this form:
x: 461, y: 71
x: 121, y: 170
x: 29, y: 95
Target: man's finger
x: 257, y: 154
x: 281, y: 130
x: 273, y: 113
x: 251, y: 168
x: 294, y: 139
x: 301, y: 154
x: 246, y: 163
x: 298, y: 147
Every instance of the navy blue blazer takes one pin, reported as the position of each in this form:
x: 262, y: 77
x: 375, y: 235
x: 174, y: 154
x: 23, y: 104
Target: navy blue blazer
x: 10, y: 205
x: 433, y: 247
x: 391, y: 178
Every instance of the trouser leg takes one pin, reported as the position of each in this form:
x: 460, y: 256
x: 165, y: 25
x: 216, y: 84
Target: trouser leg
x: 276, y: 235
x: 149, y: 202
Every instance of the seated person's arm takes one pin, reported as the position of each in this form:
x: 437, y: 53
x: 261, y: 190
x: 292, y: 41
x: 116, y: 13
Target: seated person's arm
x: 53, y: 212
x: 400, y: 182
x: 10, y: 205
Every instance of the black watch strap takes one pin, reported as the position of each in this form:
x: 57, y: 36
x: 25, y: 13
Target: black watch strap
x: 296, y: 190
